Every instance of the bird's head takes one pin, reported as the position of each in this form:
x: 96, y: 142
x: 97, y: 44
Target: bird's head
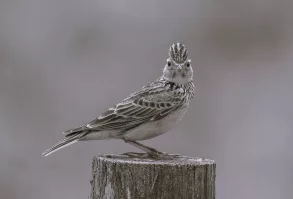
x: 178, y: 67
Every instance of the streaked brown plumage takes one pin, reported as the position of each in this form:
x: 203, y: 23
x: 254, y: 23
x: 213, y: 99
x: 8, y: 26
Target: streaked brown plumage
x: 146, y: 113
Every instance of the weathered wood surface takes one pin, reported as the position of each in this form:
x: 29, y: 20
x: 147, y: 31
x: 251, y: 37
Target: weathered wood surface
x: 123, y: 177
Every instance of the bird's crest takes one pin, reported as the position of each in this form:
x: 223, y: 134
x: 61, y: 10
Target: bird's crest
x: 178, y: 53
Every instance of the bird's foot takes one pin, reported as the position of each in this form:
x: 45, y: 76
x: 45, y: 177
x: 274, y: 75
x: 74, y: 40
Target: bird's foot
x: 156, y: 155
x: 152, y: 155
x: 150, y: 152
x: 163, y: 156
x: 136, y: 155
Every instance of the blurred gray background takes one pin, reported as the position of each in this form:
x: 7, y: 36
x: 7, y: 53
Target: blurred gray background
x: 63, y: 62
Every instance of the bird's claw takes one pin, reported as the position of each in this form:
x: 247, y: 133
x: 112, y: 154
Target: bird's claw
x: 163, y: 156
x: 135, y: 154
x: 157, y: 155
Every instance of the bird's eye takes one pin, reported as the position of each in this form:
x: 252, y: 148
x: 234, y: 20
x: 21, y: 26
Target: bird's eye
x: 168, y: 63
x: 188, y: 64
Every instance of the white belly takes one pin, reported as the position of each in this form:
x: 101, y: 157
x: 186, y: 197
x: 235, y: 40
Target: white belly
x: 156, y: 128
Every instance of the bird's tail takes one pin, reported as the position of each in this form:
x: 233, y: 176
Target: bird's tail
x: 64, y: 143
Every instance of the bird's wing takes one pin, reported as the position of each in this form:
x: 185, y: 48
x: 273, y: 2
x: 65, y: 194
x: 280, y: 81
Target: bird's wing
x: 151, y: 102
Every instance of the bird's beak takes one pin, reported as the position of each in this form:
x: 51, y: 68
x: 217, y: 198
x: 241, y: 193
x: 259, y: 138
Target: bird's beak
x: 180, y: 67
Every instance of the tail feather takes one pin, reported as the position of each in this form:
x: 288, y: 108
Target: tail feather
x: 64, y: 143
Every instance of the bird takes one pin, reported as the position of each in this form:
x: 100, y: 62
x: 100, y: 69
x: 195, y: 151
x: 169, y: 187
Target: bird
x: 148, y: 112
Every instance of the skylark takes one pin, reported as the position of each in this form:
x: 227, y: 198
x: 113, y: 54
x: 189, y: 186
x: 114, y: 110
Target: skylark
x: 146, y: 113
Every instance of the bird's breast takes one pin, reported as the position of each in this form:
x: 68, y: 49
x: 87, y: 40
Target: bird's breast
x: 155, y: 128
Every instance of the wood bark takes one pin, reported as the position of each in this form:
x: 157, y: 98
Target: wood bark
x: 124, y: 177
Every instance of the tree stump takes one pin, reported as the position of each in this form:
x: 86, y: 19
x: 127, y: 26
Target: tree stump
x: 124, y: 177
